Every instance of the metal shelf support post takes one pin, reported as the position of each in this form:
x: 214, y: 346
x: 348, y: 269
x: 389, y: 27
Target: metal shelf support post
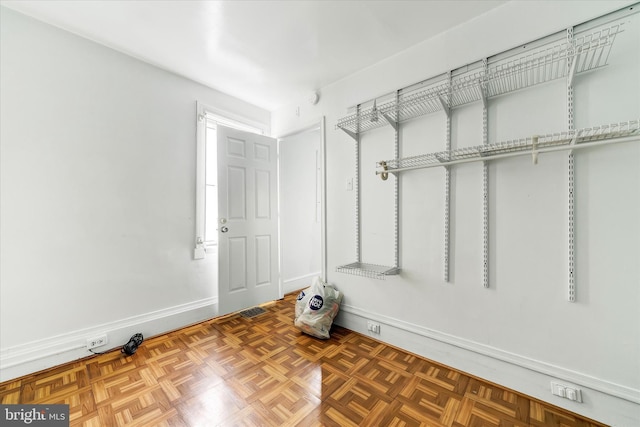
x: 485, y: 181
x: 447, y: 179
x: 356, y: 188
x: 571, y: 178
x: 396, y: 188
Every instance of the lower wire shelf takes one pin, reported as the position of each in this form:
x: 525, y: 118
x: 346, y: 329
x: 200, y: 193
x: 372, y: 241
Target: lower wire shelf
x: 552, y: 142
x: 372, y: 271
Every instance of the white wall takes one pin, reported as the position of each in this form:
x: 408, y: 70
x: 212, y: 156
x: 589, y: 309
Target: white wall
x: 521, y: 332
x: 97, y: 196
x: 299, y: 224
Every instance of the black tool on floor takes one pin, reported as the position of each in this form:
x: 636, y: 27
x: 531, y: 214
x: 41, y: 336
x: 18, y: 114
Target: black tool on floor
x: 133, y: 344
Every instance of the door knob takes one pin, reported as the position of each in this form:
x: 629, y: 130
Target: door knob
x: 224, y: 229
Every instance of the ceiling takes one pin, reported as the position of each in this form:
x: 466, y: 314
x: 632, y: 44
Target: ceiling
x: 269, y: 53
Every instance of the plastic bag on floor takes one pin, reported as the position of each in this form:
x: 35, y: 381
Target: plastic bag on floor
x: 316, y: 308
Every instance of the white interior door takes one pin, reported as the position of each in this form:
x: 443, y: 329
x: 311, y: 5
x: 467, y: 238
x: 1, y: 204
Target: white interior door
x: 247, y: 220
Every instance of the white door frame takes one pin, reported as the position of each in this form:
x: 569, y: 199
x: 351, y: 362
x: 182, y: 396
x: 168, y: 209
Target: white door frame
x: 320, y: 124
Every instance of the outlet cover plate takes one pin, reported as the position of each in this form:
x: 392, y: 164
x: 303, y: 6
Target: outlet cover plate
x: 97, y: 341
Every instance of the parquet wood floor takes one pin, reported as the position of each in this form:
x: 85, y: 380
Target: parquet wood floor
x: 261, y: 371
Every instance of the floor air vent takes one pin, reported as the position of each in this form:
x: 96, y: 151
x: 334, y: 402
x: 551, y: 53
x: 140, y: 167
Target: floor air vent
x: 252, y: 312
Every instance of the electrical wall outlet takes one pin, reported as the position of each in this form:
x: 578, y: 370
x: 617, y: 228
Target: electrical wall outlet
x: 373, y: 327
x: 568, y: 392
x: 97, y: 341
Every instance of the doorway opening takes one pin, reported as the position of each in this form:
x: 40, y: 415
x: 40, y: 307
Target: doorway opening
x: 301, y: 207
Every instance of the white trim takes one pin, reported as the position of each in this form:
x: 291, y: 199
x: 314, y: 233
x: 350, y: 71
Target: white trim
x: 605, y: 401
x: 232, y: 116
x: 200, y: 176
x: 279, y: 217
x: 37, y: 355
x: 315, y: 125
x: 323, y: 197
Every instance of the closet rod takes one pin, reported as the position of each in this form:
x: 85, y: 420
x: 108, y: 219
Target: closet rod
x: 521, y: 153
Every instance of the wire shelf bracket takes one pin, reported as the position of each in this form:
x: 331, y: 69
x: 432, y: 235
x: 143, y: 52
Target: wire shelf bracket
x: 353, y: 135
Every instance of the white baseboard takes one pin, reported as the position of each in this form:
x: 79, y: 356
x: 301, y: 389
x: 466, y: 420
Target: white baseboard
x: 603, y: 401
x: 296, y: 283
x: 43, y: 354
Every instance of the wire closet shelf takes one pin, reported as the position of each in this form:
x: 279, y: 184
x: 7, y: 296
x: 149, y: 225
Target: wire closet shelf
x: 568, y: 140
x: 541, y: 65
x: 372, y: 271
